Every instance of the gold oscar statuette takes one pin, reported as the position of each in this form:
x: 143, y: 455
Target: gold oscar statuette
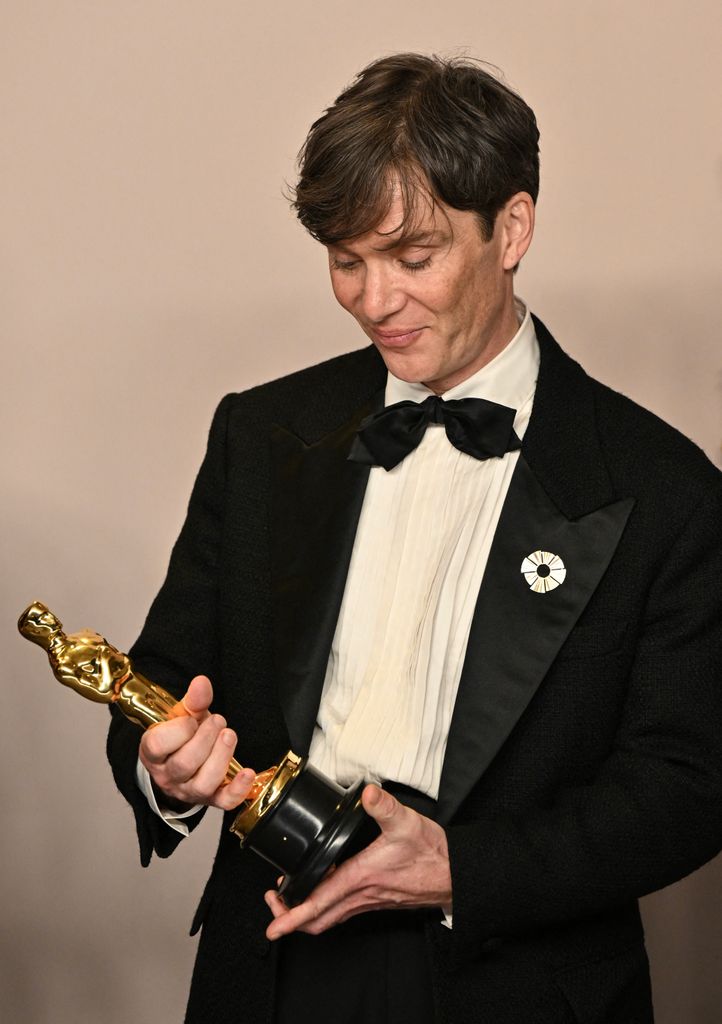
x: 294, y: 816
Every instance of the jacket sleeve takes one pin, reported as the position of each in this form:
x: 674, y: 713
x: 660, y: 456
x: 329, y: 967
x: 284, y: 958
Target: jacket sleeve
x: 180, y: 636
x: 653, y: 811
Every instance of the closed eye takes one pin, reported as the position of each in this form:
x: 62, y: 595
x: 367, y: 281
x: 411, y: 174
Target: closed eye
x: 414, y: 265
x: 337, y: 264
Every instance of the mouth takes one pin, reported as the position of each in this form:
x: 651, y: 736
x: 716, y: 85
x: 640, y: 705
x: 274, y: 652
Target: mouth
x: 399, y: 337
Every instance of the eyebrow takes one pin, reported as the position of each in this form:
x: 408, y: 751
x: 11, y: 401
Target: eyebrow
x: 420, y: 238
x: 423, y: 238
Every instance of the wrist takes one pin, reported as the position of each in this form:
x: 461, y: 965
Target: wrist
x: 168, y: 802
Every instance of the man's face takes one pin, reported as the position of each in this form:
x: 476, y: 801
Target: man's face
x: 439, y: 305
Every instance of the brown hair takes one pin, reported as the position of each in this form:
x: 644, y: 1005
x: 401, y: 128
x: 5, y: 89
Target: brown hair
x: 434, y: 128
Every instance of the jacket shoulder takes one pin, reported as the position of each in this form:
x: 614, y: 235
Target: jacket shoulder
x: 644, y: 451
x: 641, y: 453
x: 313, y: 400
x: 590, y: 445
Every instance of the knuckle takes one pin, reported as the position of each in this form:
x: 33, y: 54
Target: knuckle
x: 159, y: 776
x: 240, y: 787
x: 182, y: 765
x: 151, y: 745
x: 212, y: 725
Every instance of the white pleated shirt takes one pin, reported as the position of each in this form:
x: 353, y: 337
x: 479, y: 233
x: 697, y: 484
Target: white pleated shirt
x: 419, y: 556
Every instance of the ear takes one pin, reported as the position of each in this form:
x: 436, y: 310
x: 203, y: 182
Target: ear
x: 517, y: 224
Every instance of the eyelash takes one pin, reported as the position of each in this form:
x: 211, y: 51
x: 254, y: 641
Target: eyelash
x: 349, y: 266
x: 418, y: 265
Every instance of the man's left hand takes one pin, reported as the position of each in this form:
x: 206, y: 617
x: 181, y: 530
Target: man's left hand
x: 406, y: 866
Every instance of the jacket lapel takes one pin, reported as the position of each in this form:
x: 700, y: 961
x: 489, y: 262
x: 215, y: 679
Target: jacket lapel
x: 317, y: 496
x: 517, y: 630
x: 560, y: 501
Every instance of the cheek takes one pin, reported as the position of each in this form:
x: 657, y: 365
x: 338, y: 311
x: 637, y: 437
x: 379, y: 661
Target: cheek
x: 454, y: 304
x: 343, y: 291
x: 473, y: 297
x: 438, y: 297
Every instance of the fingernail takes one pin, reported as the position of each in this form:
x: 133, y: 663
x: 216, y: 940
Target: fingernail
x: 228, y: 737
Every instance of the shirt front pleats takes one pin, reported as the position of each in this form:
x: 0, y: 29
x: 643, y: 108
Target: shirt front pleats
x: 397, y: 654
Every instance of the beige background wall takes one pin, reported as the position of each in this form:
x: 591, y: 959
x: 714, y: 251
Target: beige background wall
x: 150, y: 264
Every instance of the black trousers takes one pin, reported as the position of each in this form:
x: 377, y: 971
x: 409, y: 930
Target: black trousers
x: 373, y: 969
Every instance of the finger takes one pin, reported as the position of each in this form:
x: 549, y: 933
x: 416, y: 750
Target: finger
x: 312, y: 917
x: 198, y: 697
x: 356, y: 888
x: 275, y: 903
x: 337, y: 887
x: 355, y: 904
x: 286, y: 921
x: 211, y: 773
x: 228, y: 797
x: 385, y: 809
x: 212, y: 780
x: 158, y: 743
x: 185, y: 762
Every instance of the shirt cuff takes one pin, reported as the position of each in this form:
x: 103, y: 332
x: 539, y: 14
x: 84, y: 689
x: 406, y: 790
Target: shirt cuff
x: 172, y: 818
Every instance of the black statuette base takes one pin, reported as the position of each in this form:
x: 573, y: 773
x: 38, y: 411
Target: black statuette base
x: 311, y: 828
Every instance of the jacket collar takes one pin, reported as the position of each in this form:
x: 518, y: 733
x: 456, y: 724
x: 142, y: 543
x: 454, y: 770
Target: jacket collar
x: 561, y: 444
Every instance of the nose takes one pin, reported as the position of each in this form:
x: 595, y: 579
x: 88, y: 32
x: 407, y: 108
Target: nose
x: 381, y: 294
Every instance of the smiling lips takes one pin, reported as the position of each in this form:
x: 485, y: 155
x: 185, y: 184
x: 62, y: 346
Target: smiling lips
x: 398, y: 338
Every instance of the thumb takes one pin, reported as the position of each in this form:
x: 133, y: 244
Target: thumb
x: 197, y: 698
x: 382, y: 807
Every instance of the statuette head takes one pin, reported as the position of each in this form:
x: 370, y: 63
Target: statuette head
x: 38, y: 624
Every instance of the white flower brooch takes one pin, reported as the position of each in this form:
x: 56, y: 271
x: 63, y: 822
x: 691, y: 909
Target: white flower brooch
x: 543, y: 571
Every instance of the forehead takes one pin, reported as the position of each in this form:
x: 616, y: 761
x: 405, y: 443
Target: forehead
x: 416, y: 219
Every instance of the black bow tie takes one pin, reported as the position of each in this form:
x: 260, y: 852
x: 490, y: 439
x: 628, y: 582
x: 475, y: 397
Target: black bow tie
x: 473, y: 425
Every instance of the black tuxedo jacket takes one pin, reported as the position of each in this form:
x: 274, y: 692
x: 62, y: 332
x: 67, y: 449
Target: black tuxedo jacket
x: 584, y: 764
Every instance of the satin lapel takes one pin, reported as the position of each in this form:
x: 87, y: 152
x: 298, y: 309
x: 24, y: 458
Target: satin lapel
x: 317, y: 499
x: 515, y: 632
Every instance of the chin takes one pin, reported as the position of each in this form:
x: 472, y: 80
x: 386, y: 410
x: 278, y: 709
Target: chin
x: 413, y: 371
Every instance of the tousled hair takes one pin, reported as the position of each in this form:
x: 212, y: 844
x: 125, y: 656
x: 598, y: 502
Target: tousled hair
x: 433, y: 128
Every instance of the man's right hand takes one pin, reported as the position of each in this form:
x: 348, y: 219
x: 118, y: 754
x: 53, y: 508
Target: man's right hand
x: 187, y: 757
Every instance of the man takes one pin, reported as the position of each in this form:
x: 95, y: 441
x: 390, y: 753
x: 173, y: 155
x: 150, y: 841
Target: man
x: 512, y: 623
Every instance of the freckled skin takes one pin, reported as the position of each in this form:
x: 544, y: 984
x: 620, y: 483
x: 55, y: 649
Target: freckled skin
x: 441, y: 305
